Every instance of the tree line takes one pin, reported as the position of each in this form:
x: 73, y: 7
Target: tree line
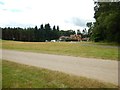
x: 107, y: 25
x: 41, y: 34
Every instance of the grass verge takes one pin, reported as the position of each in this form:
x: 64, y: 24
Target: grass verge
x: 23, y: 76
x: 0, y: 74
x: 81, y: 49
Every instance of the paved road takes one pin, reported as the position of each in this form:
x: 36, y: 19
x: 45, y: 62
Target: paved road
x: 103, y: 70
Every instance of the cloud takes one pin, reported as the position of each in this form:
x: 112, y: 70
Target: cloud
x: 14, y: 24
x: 2, y: 3
x: 68, y: 14
x: 12, y: 10
x: 77, y: 21
x: 15, y: 10
x: 14, y: 6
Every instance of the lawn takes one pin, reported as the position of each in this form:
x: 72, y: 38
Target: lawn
x: 80, y: 49
x: 0, y: 74
x: 23, y: 76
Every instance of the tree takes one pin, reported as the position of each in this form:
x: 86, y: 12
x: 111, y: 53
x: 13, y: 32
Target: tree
x: 57, y: 28
x: 107, y: 25
x: 89, y: 24
x: 54, y: 29
x: 41, y: 27
x: 34, y: 34
x: 90, y: 28
x: 79, y: 32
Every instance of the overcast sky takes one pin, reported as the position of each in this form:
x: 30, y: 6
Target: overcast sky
x: 68, y: 14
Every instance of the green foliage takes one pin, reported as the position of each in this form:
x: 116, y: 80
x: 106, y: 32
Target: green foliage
x: 89, y: 24
x: 34, y: 34
x: 79, y: 32
x: 66, y: 33
x: 107, y: 25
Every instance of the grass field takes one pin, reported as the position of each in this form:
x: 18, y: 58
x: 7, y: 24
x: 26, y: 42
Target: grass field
x: 0, y: 74
x: 24, y: 76
x: 81, y: 49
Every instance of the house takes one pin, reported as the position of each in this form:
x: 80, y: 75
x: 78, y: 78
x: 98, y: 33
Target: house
x: 71, y: 38
x: 75, y: 37
x: 85, y: 39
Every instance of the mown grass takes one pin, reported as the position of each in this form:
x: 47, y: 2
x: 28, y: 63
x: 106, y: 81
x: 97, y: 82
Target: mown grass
x: 0, y: 74
x: 81, y: 49
x: 24, y: 76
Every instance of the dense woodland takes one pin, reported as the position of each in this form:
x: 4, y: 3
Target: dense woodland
x: 107, y: 25
x: 43, y: 33
x: 105, y: 28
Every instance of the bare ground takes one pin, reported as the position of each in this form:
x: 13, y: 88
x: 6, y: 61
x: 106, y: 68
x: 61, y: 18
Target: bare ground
x: 103, y: 70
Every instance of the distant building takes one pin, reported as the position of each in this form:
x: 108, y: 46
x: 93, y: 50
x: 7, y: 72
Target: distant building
x: 85, y: 39
x: 71, y: 38
x: 75, y: 37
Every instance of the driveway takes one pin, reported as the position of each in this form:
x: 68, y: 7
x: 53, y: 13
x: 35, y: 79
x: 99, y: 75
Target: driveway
x: 103, y: 70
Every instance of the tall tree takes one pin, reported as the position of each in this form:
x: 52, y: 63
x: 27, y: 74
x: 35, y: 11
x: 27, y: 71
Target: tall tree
x: 78, y: 32
x: 90, y: 27
x: 57, y: 28
x: 107, y: 25
x: 41, y: 27
x: 54, y: 28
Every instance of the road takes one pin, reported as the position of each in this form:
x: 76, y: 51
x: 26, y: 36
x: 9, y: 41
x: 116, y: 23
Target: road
x: 103, y: 70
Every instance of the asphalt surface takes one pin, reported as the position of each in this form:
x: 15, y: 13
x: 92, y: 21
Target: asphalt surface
x: 103, y: 70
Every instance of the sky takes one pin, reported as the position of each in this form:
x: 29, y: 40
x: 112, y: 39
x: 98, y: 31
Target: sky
x: 68, y: 14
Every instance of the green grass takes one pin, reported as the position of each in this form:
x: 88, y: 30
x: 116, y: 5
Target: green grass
x: 81, y: 49
x: 0, y: 74
x: 24, y: 76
